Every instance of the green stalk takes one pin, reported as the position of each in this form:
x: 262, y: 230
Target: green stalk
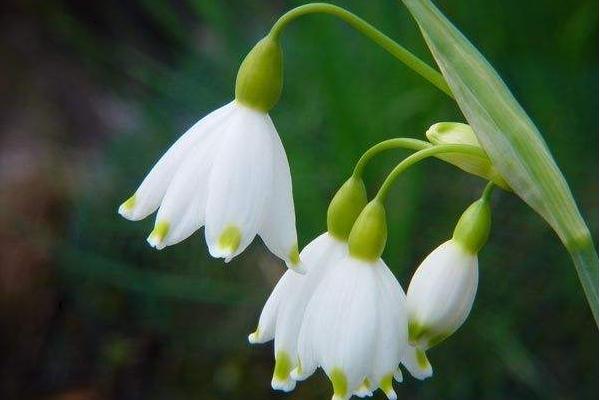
x: 421, y: 155
x: 368, y: 30
x: 402, y: 143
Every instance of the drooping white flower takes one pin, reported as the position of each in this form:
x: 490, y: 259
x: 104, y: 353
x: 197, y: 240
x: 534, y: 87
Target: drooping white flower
x: 354, y: 328
x: 228, y: 172
x: 441, y: 293
x: 282, y: 315
x: 443, y: 288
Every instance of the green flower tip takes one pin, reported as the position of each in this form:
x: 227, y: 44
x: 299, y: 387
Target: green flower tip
x: 126, y: 208
x: 230, y: 239
x: 283, y: 366
x: 158, y: 234
x: 459, y: 133
x: 386, y: 385
x: 422, y: 360
x: 345, y: 207
x: 424, y: 337
x: 260, y: 77
x: 339, y: 383
x: 294, y: 256
x: 473, y: 227
x: 369, y: 233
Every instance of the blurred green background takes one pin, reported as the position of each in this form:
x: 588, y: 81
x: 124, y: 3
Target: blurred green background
x: 92, y: 93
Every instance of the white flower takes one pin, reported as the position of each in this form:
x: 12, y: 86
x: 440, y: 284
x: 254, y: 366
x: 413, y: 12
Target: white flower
x: 230, y: 173
x: 354, y: 328
x: 282, y: 314
x: 441, y: 293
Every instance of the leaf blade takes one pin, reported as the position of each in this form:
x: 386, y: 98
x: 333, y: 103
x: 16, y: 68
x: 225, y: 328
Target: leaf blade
x: 510, y: 138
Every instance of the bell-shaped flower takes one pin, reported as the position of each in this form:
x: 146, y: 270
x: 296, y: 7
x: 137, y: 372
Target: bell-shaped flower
x: 442, y: 290
x: 228, y: 172
x: 441, y: 293
x: 355, y: 325
x: 283, y: 312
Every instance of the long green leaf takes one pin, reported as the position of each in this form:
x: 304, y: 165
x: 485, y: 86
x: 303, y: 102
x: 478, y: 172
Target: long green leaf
x: 511, y: 139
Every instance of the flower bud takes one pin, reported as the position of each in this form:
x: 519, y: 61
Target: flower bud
x: 457, y: 133
x: 345, y: 207
x: 260, y: 77
x: 369, y: 233
x: 442, y: 290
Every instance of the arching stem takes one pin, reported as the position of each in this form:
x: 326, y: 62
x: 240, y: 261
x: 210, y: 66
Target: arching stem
x: 421, y: 155
x: 368, y: 30
x: 403, y: 143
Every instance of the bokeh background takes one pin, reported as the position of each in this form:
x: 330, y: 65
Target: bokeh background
x: 92, y: 93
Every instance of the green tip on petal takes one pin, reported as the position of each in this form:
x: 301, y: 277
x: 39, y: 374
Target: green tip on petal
x: 283, y: 366
x: 127, y: 206
x: 158, y: 234
x: 294, y: 256
x: 386, y: 383
x: 422, y: 360
x: 339, y: 382
x: 230, y: 239
x: 423, y: 336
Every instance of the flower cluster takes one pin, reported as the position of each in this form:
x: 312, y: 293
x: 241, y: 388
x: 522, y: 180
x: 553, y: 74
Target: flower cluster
x: 338, y: 307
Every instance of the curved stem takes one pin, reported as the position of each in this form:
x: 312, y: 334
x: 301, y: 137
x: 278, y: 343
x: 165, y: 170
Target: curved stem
x: 420, y: 155
x: 384, y: 41
x: 404, y: 143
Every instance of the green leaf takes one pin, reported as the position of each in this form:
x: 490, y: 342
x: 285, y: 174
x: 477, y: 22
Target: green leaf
x: 510, y: 138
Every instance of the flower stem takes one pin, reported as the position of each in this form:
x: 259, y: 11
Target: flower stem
x: 421, y: 155
x: 487, y: 192
x: 384, y: 41
x: 403, y: 143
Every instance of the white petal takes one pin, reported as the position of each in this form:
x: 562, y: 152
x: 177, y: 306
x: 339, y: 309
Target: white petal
x: 278, y: 228
x: 182, y: 210
x: 148, y: 196
x: 239, y: 184
x: 318, y: 256
x: 265, y: 330
x: 416, y: 362
x: 442, y: 291
x: 391, y: 328
x: 340, y: 323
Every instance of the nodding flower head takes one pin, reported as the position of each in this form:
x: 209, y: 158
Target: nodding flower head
x: 228, y: 172
x: 442, y: 290
x: 282, y: 315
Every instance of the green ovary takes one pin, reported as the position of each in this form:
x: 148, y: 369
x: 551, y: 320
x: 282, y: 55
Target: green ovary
x: 283, y: 366
x: 230, y: 238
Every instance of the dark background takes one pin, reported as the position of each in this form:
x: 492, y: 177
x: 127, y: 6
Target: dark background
x: 91, y: 93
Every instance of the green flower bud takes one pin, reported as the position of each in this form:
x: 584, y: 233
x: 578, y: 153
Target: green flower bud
x: 369, y: 233
x: 260, y: 77
x: 457, y: 133
x: 345, y: 207
x: 473, y: 227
